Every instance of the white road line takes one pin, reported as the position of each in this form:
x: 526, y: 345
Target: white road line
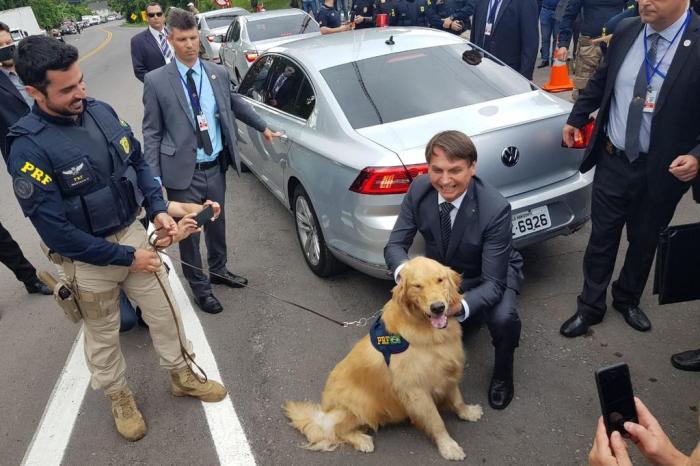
x: 56, y: 426
x: 227, y: 433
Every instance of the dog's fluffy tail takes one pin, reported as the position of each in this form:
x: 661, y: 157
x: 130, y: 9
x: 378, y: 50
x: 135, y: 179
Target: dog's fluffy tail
x: 317, y: 426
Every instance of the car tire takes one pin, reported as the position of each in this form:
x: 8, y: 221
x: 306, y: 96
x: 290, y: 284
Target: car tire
x: 316, y: 254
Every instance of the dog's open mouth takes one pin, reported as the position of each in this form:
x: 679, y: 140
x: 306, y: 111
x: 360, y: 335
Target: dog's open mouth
x: 439, y: 321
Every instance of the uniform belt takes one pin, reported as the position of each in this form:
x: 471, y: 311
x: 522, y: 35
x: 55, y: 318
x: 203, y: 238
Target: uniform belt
x: 206, y: 165
x: 612, y: 150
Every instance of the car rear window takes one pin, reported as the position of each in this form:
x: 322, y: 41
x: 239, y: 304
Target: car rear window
x: 220, y: 21
x: 281, y: 26
x: 419, y: 82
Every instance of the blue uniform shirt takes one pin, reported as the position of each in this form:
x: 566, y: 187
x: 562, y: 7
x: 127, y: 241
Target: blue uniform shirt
x: 51, y: 172
x: 328, y: 17
x: 595, y: 14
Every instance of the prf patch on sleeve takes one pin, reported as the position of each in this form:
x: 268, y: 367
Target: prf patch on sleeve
x: 23, y: 187
x: 35, y: 172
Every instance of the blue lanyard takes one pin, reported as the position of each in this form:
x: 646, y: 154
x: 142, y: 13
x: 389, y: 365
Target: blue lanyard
x: 194, y: 101
x: 655, y: 69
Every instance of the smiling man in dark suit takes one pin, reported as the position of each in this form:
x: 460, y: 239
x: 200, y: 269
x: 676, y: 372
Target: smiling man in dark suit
x: 509, y: 30
x: 466, y: 224
x: 645, y: 147
x: 150, y: 49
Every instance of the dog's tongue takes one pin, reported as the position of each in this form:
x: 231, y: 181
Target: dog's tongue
x: 439, y: 321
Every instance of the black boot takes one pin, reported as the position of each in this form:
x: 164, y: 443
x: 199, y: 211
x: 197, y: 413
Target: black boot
x: 501, y: 389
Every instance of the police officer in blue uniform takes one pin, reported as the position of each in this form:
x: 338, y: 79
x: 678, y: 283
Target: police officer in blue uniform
x: 329, y: 19
x: 362, y: 14
x: 413, y: 12
x: 451, y: 15
x: 80, y: 177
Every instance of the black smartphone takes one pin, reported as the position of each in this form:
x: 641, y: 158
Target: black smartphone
x: 616, y: 397
x: 7, y: 52
x: 204, y: 216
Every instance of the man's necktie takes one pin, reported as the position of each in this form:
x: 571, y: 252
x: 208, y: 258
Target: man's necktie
x: 203, y: 141
x: 492, y: 12
x: 445, y: 223
x: 165, y: 47
x: 636, y: 108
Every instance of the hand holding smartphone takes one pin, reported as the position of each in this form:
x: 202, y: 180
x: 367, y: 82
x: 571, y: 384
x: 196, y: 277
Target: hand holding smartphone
x: 204, y: 216
x: 616, y: 397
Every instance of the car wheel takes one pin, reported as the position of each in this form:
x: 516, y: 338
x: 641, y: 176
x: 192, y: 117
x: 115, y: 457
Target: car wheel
x: 317, y: 255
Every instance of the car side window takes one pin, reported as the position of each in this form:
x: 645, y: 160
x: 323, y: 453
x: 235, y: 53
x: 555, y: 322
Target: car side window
x: 306, y: 100
x: 229, y: 33
x: 236, y: 33
x: 283, y: 85
x: 254, y: 84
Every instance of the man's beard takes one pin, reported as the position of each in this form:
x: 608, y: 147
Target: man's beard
x: 66, y: 111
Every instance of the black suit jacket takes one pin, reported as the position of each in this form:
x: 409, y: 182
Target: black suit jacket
x: 675, y: 127
x: 481, y: 242
x: 514, y: 36
x: 145, y: 54
x: 12, y: 108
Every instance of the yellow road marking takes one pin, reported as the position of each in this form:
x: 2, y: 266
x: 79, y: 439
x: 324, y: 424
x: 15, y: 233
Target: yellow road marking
x: 99, y: 47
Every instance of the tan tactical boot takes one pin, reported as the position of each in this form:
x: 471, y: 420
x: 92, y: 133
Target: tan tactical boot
x: 127, y: 416
x: 184, y: 383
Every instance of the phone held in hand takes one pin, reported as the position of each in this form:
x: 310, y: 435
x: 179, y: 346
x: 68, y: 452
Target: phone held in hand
x: 616, y: 397
x: 204, y: 216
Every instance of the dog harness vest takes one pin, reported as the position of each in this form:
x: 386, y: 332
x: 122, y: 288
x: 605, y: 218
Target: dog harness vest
x: 385, y: 342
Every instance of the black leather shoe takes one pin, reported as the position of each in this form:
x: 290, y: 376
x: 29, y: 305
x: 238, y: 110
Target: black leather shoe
x: 232, y: 280
x: 500, y: 393
x: 35, y: 286
x: 576, y: 326
x: 687, y: 360
x: 635, y: 317
x: 209, y: 304
x: 543, y: 64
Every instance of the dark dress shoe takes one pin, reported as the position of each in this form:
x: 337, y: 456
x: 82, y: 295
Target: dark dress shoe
x: 232, y: 280
x: 576, y: 326
x: 209, y: 304
x: 687, y: 360
x: 543, y: 64
x: 35, y: 286
x: 500, y: 393
x: 636, y: 318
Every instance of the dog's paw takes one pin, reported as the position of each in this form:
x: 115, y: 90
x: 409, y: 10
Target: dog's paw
x: 363, y: 443
x: 471, y: 413
x: 450, y: 450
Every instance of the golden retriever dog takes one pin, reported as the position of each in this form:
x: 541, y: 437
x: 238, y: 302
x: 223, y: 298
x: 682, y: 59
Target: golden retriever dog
x: 363, y: 392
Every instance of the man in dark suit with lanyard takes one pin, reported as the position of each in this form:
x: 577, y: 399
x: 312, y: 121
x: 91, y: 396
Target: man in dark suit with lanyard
x: 150, y: 49
x: 15, y: 104
x: 645, y: 147
x: 509, y: 30
x: 467, y: 225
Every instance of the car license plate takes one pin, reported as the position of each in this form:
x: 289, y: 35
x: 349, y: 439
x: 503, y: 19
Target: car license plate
x: 530, y: 221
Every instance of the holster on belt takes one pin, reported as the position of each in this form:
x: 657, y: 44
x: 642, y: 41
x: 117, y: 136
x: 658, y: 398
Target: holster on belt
x: 64, y: 296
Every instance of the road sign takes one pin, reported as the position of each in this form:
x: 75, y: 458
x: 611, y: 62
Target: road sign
x: 133, y: 16
x: 223, y: 3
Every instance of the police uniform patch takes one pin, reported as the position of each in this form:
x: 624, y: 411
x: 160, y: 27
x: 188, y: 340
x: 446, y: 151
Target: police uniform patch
x: 364, y: 10
x: 124, y: 142
x: 23, y: 187
x: 124, y: 123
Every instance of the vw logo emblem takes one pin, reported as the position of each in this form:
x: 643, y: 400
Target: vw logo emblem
x: 510, y: 156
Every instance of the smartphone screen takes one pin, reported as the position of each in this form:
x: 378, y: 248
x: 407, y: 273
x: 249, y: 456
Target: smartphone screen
x: 204, y: 216
x: 616, y: 397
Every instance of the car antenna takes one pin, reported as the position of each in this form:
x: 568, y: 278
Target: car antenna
x: 390, y: 41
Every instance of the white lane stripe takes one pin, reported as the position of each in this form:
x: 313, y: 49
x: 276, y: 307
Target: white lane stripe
x: 226, y: 431
x: 56, y: 426
x: 51, y: 438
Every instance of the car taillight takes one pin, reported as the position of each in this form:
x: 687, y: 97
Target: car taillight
x: 387, y: 180
x: 251, y: 55
x: 585, y: 134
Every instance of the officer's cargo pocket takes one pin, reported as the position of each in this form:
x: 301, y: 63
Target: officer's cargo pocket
x: 102, y: 211
x: 99, y: 305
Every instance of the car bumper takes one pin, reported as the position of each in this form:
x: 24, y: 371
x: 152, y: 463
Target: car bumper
x: 568, y: 201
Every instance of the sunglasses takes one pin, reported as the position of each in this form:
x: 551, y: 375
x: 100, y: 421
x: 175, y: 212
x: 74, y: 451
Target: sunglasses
x: 159, y: 14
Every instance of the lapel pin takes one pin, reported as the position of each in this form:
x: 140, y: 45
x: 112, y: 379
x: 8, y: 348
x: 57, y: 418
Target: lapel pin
x: 213, y: 76
x: 686, y: 43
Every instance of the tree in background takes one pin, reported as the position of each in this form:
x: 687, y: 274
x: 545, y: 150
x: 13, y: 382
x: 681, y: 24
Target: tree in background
x: 49, y: 13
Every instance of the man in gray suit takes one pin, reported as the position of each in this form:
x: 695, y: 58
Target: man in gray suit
x: 189, y: 133
x: 466, y: 224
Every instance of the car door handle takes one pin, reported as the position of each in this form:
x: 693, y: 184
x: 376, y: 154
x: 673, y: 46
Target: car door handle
x: 284, y: 136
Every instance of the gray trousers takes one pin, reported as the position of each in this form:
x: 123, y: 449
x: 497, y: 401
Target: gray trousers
x: 206, y: 184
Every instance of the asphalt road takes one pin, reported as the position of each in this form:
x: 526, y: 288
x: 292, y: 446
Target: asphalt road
x: 268, y: 352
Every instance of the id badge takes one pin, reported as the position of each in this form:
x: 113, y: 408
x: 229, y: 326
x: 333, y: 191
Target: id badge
x: 650, y: 101
x: 487, y: 31
x: 202, y: 122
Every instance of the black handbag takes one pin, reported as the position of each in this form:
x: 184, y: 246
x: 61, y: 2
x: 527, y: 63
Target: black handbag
x: 677, y: 273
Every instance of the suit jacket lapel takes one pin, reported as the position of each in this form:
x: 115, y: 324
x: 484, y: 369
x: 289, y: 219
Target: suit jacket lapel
x: 466, y: 212
x: 219, y: 95
x: 679, y: 59
x: 176, y: 83
x: 502, y: 9
x: 431, y: 202
x: 154, y: 43
x: 10, y: 88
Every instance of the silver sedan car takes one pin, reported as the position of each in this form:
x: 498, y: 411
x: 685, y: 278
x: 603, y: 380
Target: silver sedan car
x: 249, y: 36
x: 212, y: 26
x: 357, y: 109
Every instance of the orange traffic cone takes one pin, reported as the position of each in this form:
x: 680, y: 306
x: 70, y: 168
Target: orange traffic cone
x: 559, y: 80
